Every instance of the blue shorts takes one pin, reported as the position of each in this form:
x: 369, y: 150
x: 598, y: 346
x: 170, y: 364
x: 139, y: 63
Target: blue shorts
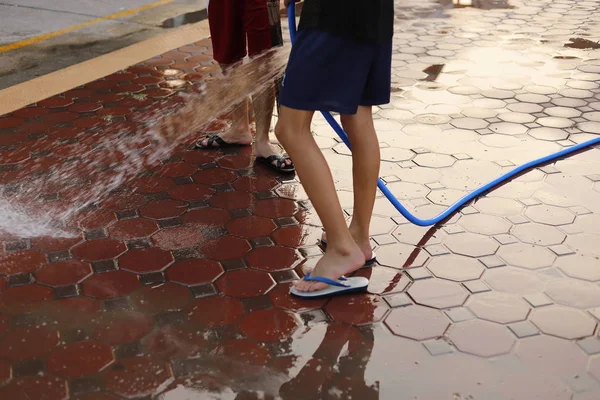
x: 331, y: 73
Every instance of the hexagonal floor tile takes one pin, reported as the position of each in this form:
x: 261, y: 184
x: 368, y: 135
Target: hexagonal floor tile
x: 215, y: 311
x: 28, y: 343
x: 456, y: 268
x: 549, y: 215
x: 150, y: 259
x: 433, y: 160
x: 482, y: 338
x: 245, y: 283
x: 526, y: 256
x: 437, y: 293
x: 138, y: 377
x: 417, y: 322
x: 580, y: 267
x: 357, y: 309
x: 498, y: 307
x: 273, y: 258
x: 511, y: 280
x: 553, y: 355
x: 401, y: 255
x: 269, y: 325
x: 79, y: 359
x: 564, y: 322
x: 194, y: 271
x: 69, y: 272
x: 574, y: 293
x: 35, y: 387
x: 584, y: 243
x: 251, y: 227
x: 499, y: 206
x: 484, y: 224
x: 542, y: 235
x: 471, y: 244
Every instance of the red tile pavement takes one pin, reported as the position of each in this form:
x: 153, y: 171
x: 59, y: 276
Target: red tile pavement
x: 176, y: 284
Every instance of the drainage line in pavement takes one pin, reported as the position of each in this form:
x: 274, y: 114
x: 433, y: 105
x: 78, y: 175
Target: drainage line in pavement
x: 467, y: 198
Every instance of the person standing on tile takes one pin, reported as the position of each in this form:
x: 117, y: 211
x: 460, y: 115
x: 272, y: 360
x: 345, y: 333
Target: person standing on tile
x: 239, y: 28
x: 341, y: 62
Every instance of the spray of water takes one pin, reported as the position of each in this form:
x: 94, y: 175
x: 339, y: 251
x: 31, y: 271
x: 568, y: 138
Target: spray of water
x: 102, y: 161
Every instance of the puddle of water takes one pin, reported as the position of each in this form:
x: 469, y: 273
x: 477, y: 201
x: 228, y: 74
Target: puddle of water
x: 580, y: 43
x: 102, y: 161
x: 184, y: 19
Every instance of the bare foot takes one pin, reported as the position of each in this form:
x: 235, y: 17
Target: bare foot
x: 239, y: 135
x: 266, y: 149
x: 365, y: 246
x: 333, y: 266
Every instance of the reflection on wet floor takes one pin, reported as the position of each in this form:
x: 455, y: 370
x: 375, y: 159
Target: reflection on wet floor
x: 184, y: 19
x: 580, y: 43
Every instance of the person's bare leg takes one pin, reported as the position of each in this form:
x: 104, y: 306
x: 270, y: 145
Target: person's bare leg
x: 264, y: 102
x: 343, y: 255
x: 239, y: 132
x: 366, y: 162
x: 365, y: 172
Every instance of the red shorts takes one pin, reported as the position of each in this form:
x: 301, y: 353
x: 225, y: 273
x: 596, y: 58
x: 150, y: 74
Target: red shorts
x: 231, y: 22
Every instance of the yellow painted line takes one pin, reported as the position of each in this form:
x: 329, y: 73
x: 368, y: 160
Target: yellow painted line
x: 36, y: 39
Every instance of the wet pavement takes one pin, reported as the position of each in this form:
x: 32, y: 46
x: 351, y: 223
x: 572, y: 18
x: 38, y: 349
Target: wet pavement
x: 177, y: 285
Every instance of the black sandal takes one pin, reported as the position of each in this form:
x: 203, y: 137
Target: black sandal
x: 214, y: 139
x: 280, y: 163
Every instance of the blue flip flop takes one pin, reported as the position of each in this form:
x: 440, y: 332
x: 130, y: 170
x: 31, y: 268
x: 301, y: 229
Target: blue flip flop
x: 343, y: 285
x: 369, y: 263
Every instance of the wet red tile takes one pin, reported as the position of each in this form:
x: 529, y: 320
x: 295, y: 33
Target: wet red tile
x: 88, y: 122
x: 3, y: 284
x: 207, y: 216
x: 175, y: 342
x: 73, y: 311
x: 498, y: 307
x: 273, y: 258
x: 194, y: 271
x: 55, y: 102
x: 226, y: 248
x: 85, y: 107
x: 191, y: 192
x: 154, y: 184
x: 121, y: 202
x: 113, y: 111
x: 101, y: 85
x: 35, y: 387
x: 121, y: 77
x: 145, y: 260
x: 357, y: 309
x: 119, y: 328
x: 158, y: 93
x: 79, y: 359
x: 78, y: 93
x: 32, y: 128
x: 245, y: 283
x: 48, y: 243
x: 297, y: 235
x: 275, y: 208
x: 178, y: 238
x: 137, y: 377
x: 27, y: 343
x: 10, y: 122
x: 109, y: 285
x: 96, y: 396
x: 564, y: 322
x: 161, y: 209
x: 552, y: 355
x: 96, y: 219
x: 251, y: 227
x: 147, y: 80
x: 437, y: 293
x: 21, y: 262
x: 231, y: 200
x: 31, y: 112
x: 177, y: 169
x: 62, y: 273
x: 13, y: 157
x: 24, y: 299
x: 102, y: 249
x: 166, y: 297
x: 260, y: 183
x: 245, y: 351
x: 8, y: 139
x: 59, y: 117
x: 5, y: 372
x: 269, y: 325
x: 417, y: 322
x: 215, y: 311
x: 198, y: 157
x: 214, y: 176
x: 281, y: 298
x: 482, y: 338
x: 132, y: 228
x: 233, y: 161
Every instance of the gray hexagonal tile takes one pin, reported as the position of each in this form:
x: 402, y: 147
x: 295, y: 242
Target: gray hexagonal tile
x: 549, y: 215
x: 526, y: 256
x: 471, y: 244
x: 539, y: 234
x: 456, y: 268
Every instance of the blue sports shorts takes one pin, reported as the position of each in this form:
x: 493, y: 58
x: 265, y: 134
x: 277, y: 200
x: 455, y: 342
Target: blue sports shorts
x: 326, y: 72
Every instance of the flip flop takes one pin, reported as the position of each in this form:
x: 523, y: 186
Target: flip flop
x: 369, y: 263
x: 343, y: 285
x: 215, y: 139
x: 280, y: 165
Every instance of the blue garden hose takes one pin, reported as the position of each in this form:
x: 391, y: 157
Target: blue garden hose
x: 467, y: 198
